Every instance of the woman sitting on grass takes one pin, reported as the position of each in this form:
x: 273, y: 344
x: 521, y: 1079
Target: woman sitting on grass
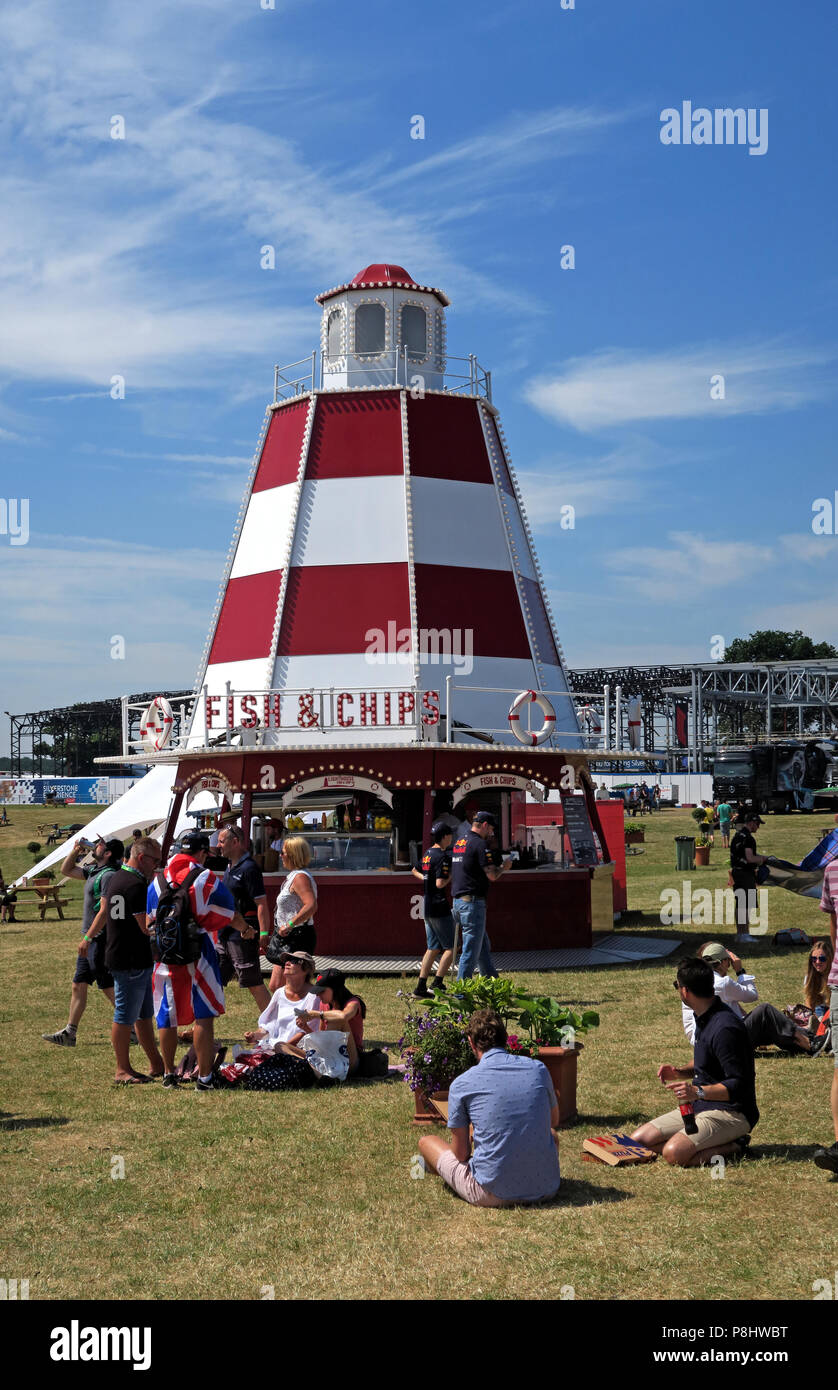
x: 282, y: 1026
x: 816, y: 991
x: 339, y: 1012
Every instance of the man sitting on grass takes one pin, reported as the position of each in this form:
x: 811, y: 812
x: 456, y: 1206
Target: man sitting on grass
x: 722, y: 1089
x: 511, y: 1104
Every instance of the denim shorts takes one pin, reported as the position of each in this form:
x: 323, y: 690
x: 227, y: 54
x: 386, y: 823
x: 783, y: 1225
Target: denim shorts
x: 439, y: 933
x: 132, y: 995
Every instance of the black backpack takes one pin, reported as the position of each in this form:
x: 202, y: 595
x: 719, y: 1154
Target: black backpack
x: 177, y: 936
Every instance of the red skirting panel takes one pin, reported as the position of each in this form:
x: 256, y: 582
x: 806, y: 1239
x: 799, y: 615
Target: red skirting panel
x: 280, y: 461
x: 370, y: 914
x: 246, y: 623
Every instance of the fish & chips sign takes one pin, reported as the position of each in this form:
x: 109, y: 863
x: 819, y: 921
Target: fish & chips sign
x: 322, y: 709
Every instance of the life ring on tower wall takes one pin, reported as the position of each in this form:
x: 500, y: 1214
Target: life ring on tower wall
x: 156, y: 725
x: 533, y: 697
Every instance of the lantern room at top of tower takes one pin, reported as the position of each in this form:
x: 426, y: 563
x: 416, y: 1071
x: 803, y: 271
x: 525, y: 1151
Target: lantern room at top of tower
x: 383, y: 328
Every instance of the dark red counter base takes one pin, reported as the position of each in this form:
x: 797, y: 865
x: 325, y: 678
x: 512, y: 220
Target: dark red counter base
x: 380, y: 914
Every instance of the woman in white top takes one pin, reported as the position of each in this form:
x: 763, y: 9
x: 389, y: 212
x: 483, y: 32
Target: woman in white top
x: 280, y: 1030
x: 296, y: 903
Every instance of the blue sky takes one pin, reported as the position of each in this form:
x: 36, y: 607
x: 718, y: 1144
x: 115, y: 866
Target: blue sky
x: 291, y: 126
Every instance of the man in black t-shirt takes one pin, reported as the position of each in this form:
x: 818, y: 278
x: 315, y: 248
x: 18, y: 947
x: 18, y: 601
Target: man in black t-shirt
x: 122, y: 916
x: 744, y: 862
x: 239, y: 951
x: 90, y: 966
x: 439, y: 923
x: 472, y: 872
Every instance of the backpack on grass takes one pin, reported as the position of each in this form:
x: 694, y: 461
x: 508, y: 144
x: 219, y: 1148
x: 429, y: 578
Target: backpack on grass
x: 177, y: 936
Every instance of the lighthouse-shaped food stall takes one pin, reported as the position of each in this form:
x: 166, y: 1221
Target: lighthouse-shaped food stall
x: 382, y: 650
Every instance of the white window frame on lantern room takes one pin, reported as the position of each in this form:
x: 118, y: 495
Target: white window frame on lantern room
x: 367, y: 357
x: 415, y: 304
x: 334, y: 361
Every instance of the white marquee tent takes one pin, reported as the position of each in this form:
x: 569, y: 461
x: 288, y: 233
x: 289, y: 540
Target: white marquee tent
x: 146, y: 805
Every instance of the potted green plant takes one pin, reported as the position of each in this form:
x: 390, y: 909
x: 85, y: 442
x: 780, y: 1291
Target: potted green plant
x: 435, y: 1049
x: 634, y: 833
x: 538, y: 1026
x: 702, y: 851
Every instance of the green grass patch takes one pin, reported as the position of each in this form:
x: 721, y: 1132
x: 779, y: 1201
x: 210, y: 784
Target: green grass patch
x: 223, y: 1194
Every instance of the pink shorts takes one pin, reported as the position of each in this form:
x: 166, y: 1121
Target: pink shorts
x: 460, y: 1178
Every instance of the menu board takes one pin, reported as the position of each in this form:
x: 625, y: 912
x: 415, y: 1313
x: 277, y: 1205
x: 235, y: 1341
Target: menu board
x: 577, y: 824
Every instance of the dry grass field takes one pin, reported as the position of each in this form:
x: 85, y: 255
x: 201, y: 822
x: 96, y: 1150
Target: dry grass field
x: 224, y: 1194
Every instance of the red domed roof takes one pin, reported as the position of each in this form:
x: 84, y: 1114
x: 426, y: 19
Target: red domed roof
x: 382, y: 276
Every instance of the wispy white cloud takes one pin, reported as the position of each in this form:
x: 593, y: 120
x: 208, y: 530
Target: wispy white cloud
x: 810, y: 549
x: 687, y: 566
x: 617, y: 387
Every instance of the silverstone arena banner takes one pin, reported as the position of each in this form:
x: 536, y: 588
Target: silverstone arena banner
x: 84, y: 791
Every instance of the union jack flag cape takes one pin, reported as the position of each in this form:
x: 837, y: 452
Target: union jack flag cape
x: 183, y: 993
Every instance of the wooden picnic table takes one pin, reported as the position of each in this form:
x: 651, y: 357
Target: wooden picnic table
x: 47, y: 896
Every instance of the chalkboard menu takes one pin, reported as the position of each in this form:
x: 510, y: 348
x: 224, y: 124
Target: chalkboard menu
x: 578, y: 829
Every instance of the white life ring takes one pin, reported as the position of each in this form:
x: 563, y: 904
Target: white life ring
x: 524, y: 735
x: 634, y: 710
x: 156, y: 725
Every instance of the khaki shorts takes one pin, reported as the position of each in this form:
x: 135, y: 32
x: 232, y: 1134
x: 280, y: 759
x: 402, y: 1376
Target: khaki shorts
x: 459, y: 1177
x: 714, y: 1126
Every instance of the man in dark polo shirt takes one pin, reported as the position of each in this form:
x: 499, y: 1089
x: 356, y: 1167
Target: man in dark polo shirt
x: 720, y: 1084
x: 239, y: 951
x: 128, y: 958
x: 439, y: 924
x: 744, y: 862
x: 472, y: 872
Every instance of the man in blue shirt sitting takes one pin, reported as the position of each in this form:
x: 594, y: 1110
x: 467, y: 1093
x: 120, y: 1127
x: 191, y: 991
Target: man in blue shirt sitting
x: 510, y: 1102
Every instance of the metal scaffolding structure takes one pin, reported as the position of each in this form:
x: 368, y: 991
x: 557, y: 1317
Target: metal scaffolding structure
x: 690, y: 711
x: 73, y: 734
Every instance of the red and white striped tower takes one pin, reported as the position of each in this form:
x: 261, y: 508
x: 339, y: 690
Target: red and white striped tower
x: 382, y: 543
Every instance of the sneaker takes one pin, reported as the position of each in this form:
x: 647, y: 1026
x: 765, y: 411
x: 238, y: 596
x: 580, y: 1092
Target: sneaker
x: 203, y: 1085
x: 61, y: 1039
x: 421, y: 991
x: 438, y: 984
x: 818, y: 1045
x: 170, y: 1080
x: 827, y: 1158
x: 747, y: 940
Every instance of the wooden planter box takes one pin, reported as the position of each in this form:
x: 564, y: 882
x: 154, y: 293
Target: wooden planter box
x: 423, y: 1112
x: 562, y: 1064
x: 635, y: 837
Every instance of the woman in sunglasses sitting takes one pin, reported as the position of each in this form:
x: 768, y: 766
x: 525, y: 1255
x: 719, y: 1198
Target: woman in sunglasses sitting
x: 816, y: 991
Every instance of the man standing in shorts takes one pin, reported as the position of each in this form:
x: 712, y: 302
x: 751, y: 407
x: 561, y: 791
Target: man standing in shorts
x: 128, y: 958
x: 439, y: 923
x: 828, y: 1158
x: 238, y: 952
x: 192, y: 993
x: 90, y: 968
x: 720, y: 1084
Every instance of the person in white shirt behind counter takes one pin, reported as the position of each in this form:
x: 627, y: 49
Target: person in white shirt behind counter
x: 765, y: 1024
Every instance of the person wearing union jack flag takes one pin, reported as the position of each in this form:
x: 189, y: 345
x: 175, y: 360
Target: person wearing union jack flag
x: 193, y: 993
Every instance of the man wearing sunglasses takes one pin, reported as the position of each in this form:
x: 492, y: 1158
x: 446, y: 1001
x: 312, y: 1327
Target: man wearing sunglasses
x: 828, y: 1158
x: 720, y: 1084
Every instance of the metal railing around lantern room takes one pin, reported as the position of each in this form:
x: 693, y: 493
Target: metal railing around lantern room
x: 394, y: 368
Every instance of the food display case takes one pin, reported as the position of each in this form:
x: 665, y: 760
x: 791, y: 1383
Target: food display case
x: 340, y: 851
